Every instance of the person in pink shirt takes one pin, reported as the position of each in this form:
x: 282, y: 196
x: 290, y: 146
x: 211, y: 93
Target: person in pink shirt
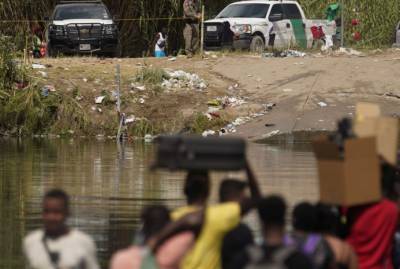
x: 168, y: 255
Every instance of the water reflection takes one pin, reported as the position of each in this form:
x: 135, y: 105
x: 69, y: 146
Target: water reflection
x: 110, y: 184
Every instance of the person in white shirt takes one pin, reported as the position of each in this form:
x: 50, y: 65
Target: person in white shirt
x: 57, y: 246
x: 161, y: 43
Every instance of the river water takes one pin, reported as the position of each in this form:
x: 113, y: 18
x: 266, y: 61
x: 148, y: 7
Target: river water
x: 110, y: 184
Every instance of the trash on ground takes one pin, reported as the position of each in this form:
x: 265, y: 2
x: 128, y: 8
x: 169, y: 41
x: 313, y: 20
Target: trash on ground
x: 214, y: 102
x: 270, y: 134
x: 38, y: 66
x: 350, y: 52
x: 322, y: 104
x: 287, y: 90
x: 44, y: 74
x: 173, y: 59
x: 180, y: 79
x: 79, y: 98
x: 208, y: 133
x: 130, y: 119
x: 100, y: 99
x: 138, y: 87
x: 141, y: 101
x: 294, y: 53
x: 148, y: 138
x: 85, y: 80
x: 270, y: 124
x: 270, y: 106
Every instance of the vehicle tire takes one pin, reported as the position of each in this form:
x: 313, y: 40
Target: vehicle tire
x: 257, y: 44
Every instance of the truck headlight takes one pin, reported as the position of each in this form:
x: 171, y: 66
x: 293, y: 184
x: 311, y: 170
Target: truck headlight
x: 242, y: 29
x: 57, y: 30
x: 110, y: 29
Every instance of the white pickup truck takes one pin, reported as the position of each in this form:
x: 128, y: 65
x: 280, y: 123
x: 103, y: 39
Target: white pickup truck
x: 255, y: 25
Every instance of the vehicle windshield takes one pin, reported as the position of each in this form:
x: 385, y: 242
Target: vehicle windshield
x: 81, y: 11
x: 245, y: 11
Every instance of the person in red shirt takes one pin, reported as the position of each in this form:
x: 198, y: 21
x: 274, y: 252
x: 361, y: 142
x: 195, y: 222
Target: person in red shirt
x: 372, y: 227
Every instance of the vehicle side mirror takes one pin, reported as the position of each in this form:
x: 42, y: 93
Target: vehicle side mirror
x: 276, y: 17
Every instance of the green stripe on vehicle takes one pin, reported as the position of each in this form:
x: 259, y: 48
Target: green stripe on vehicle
x: 299, y: 33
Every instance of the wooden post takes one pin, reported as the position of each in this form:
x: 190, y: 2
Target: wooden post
x: 120, y: 117
x: 202, y: 32
x: 342, y: 23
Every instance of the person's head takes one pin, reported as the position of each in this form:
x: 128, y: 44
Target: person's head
x: 164, y: 31
x: 232, y: 190
x: 55, y: 211
x: 304, y: 217
x: 328, y: 219
x: 197, y: 187
x: 272, y: 212
x: 154, y: 219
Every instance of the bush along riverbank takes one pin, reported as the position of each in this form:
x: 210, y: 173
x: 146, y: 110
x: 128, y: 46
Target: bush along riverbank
x: 64, y: 99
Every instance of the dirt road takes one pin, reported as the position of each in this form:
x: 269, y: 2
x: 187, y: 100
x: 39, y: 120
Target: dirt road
x: 310, y: 93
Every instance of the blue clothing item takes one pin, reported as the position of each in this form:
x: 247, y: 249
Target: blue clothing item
x: 160, y: 54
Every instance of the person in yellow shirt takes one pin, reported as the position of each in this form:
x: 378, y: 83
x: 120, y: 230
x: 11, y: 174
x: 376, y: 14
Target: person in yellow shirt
x: 217, y: 220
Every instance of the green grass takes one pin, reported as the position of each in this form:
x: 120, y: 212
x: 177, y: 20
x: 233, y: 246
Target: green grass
x: 200, y: 123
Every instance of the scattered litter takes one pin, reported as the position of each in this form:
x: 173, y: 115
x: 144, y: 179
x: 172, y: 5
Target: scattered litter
x: 270, y: 106
x: 50, y: 88
x: 214, y: 102
x: 47, y: 89
x: 138, y: 87
x: 321, y: 120
x: 94, y: 108
x: 173, y: 59
x: 130, y: 120
x: 148, y: 138
x: 270, y: 134
x: 322, y: 104
x: 350, y: 52
x: 99, y: 99
x: 181, y: 79
x: 85, y: 80
x: 270, y: 125
x: 268, y: 55
x: 79, y: 98
x: 38, y: 66
x: 249, y: 76
x: 293, y: 53
x: 45, y: 92
x: 141, y: 101
x: 214, y: 56
x: 286, y: 53
x: 287, y: 90
x: 208, y: 133
x: 99, y: 110
x: 44, y: 74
